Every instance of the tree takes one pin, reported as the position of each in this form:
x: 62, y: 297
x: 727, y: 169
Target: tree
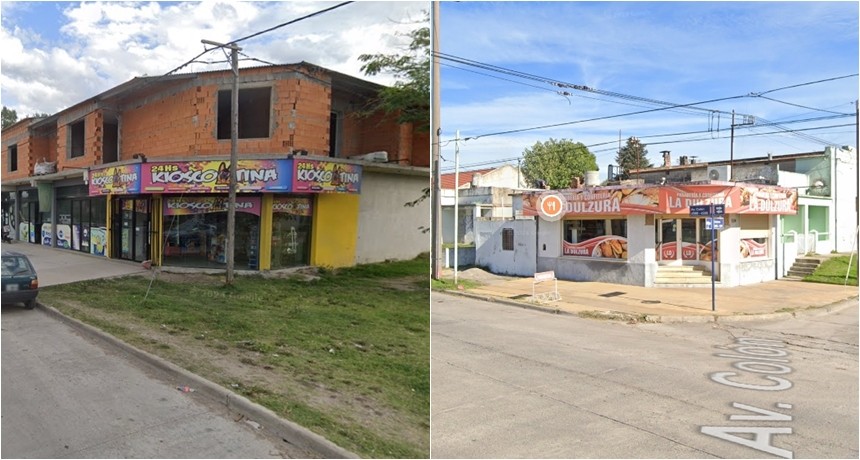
x: 632, y: 156
x: 9, y: 117
x: 409, y: 98
x: 557, y: 162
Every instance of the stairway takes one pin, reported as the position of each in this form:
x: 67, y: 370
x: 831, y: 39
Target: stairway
x: 803, y: 267
x: 682, y: 276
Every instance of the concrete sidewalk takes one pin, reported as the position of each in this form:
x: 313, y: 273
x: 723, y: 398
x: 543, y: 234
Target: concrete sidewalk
x: 759, y: 301
x: 60, y: 266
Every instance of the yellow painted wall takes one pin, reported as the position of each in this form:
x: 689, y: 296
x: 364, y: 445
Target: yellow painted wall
x: 265, y: 238
x: 335, y: 230
x: 157, y: 218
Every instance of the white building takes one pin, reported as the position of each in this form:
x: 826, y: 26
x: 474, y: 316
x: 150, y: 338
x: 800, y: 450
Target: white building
x: 776, y: 207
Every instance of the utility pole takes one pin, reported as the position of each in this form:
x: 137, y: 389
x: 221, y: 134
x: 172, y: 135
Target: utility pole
x: 748, y: 120
x: 456, y: 203
x: 732, y: 150
x: 234, y: 153
x: 436, y: 192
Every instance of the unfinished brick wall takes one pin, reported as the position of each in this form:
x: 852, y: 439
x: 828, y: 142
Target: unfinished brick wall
x: 18, y: 135
x: 404, y: 144
x: 185, y: 122
x: 92, y: 119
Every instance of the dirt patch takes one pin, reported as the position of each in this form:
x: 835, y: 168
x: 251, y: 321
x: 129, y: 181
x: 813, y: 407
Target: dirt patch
x: 410, y: 283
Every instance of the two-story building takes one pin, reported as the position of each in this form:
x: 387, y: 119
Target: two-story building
x: 141, y: 172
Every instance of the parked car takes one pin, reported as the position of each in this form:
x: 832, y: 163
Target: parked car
x: 20, y: 282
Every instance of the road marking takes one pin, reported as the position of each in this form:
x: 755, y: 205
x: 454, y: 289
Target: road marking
x: 760, y: 362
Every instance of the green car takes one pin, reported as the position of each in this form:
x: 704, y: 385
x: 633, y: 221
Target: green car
x: 20, y: 282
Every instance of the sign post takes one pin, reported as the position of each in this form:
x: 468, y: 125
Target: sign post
x: 714, y: 223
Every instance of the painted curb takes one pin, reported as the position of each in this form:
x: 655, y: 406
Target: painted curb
x: 290, y: 432
x: 649, y: 318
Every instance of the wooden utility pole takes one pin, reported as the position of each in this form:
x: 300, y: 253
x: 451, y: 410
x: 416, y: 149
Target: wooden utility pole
x: 230, y: 248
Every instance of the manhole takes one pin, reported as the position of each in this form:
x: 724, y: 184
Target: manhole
x: 612, y: 294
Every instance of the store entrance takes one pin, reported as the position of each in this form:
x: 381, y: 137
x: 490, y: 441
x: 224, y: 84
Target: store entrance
x: 681, y: 241
x: 130, y: 229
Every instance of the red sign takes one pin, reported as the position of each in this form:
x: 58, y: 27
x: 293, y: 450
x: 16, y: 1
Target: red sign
x: 610, y: 247
x: 656, y: 199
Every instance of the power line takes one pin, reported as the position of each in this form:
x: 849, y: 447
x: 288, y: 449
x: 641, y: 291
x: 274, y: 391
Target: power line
x: 802, y: 106
x: 802, y: 84
x: 700, y: 139
x: 290, y: 22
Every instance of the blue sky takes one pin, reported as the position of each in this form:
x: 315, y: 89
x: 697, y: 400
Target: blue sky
x: 677, y: 52
x: 56, y: 54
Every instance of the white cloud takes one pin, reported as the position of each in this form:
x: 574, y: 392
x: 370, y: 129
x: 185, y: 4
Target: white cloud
x: 103, y: 44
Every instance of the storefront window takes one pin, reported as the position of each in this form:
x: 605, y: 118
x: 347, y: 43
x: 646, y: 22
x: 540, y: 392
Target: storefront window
x: 195, y: 232
x: 291, y: 231
x: 604, y: 238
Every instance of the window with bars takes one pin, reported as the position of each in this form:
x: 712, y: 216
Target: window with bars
x: 507, y: 239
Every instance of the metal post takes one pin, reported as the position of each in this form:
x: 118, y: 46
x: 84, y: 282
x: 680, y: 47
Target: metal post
x: 234, y: 147
x: 713, y: 256
x: 436, y: 192
x: 732, y: 150
x: 456, y: 203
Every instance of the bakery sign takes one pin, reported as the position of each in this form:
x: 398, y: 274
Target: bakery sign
x: 656, y: 199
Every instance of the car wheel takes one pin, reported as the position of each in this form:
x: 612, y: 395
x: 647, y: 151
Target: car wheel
x: 30, y: 304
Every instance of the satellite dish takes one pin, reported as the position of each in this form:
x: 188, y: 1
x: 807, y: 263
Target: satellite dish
x: 714, y: 174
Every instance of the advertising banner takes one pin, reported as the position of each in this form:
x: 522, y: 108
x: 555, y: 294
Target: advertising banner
x: 740, y: 199
x: 179, y: 206
x: 752, y: 248
x: 609, y: 247
x: 116, y: 180
x: 214, y: 176
x: 313, y: 176
x: 297, y: 206
x: 656, y: 199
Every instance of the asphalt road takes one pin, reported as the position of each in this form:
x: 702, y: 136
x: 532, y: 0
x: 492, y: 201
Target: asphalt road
x: 66, y: 396
x: 515, y: 383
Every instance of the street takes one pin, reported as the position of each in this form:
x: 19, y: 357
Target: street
x: 65, y: 395
x: 515, y: 383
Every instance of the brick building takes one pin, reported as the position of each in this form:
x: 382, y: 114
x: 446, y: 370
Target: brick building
x: 140, y: 172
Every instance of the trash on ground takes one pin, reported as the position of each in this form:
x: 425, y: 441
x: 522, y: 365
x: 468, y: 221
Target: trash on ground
x: 185, y: 389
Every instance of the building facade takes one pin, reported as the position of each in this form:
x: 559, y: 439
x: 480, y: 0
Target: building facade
x: 651, y: 231
x: 141, y: 172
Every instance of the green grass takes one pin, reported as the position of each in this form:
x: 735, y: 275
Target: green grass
x: 833, y: 270
x: 347, y: 355
x: 444, y: 284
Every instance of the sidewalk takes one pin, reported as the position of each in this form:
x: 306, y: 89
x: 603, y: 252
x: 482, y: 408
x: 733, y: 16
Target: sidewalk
x: 759, y: 301
x: 61, y: 266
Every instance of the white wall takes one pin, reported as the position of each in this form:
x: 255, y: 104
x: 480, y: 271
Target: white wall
x: 844, y: 180
x: 387, y: 228
x: 489, y: 253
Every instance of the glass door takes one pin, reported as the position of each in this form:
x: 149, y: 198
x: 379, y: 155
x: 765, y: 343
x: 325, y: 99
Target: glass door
x: 131, y: 229
x: 677, y: 240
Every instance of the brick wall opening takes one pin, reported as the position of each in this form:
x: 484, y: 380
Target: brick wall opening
x: 254, y: 112
x: 13, y: 157
x: 76, y: 143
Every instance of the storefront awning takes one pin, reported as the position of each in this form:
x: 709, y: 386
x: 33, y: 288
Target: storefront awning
x: 738, y: 198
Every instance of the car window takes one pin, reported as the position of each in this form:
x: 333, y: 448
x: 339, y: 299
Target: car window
x: 15, y: 266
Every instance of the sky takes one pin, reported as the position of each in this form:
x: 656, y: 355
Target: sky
x: 675, y: 52
x: 57, y: 54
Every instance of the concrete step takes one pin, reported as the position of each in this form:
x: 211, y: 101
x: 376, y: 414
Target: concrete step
x: 685, y: 285
x: 677, y: 275
x: 794, y: 273
x: 679, y: 269
x: 805, y: 264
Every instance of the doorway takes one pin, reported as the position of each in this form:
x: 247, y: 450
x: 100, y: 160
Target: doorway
x: 682, y: 240
x: 130, y: 228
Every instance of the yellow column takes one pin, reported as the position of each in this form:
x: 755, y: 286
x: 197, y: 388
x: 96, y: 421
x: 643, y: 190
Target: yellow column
x: 157, y: 220
x: 335, y: 230
x: 265, y: 250
x: 108, y: 235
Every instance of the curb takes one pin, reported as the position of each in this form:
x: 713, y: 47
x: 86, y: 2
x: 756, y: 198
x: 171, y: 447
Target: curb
x: 711, y: 318
x: 289, y: 432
